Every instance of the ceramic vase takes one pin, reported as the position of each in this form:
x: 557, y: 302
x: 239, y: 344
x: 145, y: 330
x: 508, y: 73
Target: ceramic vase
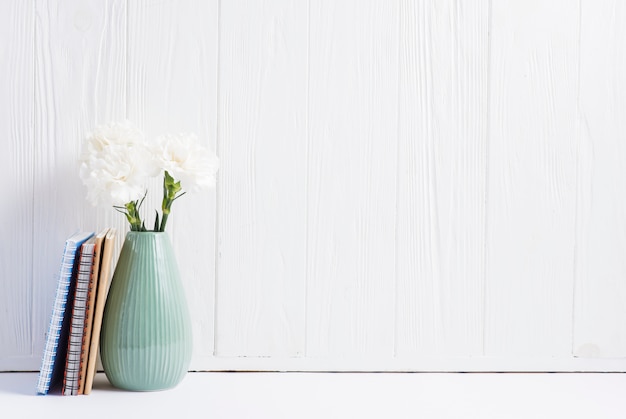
x: 146, y: 339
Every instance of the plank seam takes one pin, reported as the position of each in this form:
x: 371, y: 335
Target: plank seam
x: 218, y: 189
x: 486, y: 156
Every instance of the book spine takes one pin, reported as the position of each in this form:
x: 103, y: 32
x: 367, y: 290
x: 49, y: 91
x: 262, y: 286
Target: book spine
x: 89, y: 309
x: 56, y: 319
x: 72, y: 367
x: 101, y: 294
x: 84, y: 351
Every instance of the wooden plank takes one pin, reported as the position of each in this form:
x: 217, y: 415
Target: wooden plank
x: 17, y: 23
x: 353, y: 102
x: 509, y: 185
x: 172, y: 88
x: 441, y: 178
x: 600, y: 312
x: 262, y: 142
x: 531, y: 178
x: 79, y: 82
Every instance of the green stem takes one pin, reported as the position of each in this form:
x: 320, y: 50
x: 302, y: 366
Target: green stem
x: 163, y: 221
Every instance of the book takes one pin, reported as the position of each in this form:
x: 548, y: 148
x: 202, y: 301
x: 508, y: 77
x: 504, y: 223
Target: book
x: 55, y: 348
x: 77, y: 323
x: 102, y: 289
x: 89, y: 312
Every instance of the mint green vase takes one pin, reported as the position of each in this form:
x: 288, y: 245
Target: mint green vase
x: 146, y: 340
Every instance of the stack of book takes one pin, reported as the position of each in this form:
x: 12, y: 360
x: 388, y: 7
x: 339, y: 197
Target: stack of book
x: 71, y: 350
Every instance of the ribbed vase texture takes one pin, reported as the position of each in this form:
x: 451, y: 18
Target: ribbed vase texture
x: 146, y: 339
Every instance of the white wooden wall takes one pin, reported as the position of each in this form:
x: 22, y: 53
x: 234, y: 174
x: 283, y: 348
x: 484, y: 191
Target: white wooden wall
x: 405, y: 185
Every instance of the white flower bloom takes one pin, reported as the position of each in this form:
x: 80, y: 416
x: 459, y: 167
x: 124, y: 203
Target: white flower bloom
x: 186, y: 160
x: 113, y: 133
x: 115, y: 165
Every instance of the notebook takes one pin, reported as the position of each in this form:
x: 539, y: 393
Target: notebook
x: 55, y: 348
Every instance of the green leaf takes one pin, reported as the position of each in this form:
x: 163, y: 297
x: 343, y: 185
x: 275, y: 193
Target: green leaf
x: 156, y: 221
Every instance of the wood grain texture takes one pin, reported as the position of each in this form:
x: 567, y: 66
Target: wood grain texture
x: 17, y: 30
x: 172, y: 88
x: 531, y: 178
x: 441, y: 178
x: 79, y: 82
x: 262, y: 143
x: 422, y: 186
x: 600, y: 310
x: 351, y: 202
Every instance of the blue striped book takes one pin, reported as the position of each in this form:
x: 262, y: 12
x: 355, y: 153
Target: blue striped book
x: 55, y: 349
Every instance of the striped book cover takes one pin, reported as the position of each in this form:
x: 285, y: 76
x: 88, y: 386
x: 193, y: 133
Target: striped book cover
x: 77, y: 323
x: 91, y: 305
x: 54, y: 354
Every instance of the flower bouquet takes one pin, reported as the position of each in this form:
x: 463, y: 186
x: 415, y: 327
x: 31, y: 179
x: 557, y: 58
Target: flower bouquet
x: 117, y: 163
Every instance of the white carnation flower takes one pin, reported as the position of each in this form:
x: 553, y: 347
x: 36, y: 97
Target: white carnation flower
x: 186, y: 160
x: 113, y: 133
x: 115, y: 165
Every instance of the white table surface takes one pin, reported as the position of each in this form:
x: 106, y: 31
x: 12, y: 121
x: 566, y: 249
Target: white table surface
x: 334, y: 395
